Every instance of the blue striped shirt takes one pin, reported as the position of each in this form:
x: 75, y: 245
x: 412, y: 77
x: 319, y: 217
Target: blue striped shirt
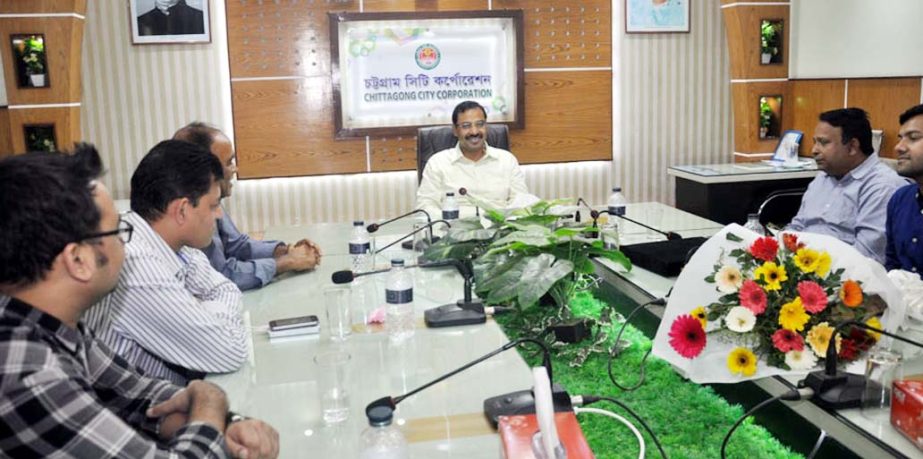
x: 167, y: 315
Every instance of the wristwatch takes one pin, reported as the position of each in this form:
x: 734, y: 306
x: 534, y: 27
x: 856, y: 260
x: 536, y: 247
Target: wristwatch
x: 233, y: 417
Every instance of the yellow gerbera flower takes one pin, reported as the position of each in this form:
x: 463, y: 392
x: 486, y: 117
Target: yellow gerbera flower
x: 772, y: 275
x: 793, y: 316
x: 806, y: 259
x: 823, y: 264
x: 874, y: 322
x: 742, y: 361
x: 819, y: 338
x: 699, y: 313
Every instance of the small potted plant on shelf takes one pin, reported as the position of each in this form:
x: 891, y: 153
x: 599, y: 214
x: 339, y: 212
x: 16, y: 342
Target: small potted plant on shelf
x: 765, y: 117
x: 40, y: 138
x: 33, y: 56
x: 768, y: 46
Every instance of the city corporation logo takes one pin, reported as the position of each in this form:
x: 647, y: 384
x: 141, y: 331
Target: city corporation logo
x: 427, y: 56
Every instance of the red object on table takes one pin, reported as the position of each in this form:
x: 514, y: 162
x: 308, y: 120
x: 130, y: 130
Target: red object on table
x: 516, y: 434
x: 907, y: 410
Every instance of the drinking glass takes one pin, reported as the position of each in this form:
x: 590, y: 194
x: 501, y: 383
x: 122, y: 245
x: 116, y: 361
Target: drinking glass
x: 882, y: 368
x: 337, y: 304
x: 333, y: 382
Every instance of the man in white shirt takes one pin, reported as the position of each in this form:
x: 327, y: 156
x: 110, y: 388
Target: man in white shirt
x: 488, y: 174
x: 171, y: 314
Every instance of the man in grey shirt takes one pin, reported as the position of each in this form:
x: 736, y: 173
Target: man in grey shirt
x: 849, y: 197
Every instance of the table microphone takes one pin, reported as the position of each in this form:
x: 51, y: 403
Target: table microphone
x: 346, y: 276
x: 373, y: 227
x: 835, y: 389
x: 670, y: 235
x: 464, y: 192
x: 577, y: 213
x: 427, y: 226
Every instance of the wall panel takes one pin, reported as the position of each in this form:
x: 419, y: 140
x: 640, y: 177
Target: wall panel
x: 811, y: 98
x: 6, y: 139
x: 885, y: 99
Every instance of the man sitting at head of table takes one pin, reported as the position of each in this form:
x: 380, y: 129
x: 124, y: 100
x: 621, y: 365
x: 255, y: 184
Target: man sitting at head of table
x: 489, y: 174
x: 848, y: 199
x: 171, y: 314
x: 64, y: 393
x: 905, y: 210
x: 247, y: 262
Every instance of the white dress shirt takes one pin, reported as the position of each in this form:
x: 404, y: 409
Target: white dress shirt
x: 496, y: 179
x: 170, y: 311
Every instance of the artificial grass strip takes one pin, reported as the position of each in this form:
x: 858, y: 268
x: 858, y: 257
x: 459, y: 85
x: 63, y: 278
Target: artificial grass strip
x: 689, y: 420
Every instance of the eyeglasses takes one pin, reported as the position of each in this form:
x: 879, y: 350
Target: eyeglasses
x: 478, y: 124
x: 124, y: 231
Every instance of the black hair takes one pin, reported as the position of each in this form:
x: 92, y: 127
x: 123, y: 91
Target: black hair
x: 199, y: 133
x: 173, y: 169
x: 854, y: 123
x: 911, y: 112
x: 464, y: 107
x: 46, y: 202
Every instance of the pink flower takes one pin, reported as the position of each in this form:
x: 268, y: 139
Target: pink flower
x: 764, y: 248
x: 752, y: 297
x: 787, y: 340
x: 687, y: 337
x: 813, y: 297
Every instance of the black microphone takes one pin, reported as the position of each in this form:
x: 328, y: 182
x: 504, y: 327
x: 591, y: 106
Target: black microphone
x: 428, y: 226
x: 670, y: 235
x: 372, y: 227
x: 464, y: 311
x: 347, y: 276
x: 560, y: 396
x: 464, y: 192
x: 834, y: 389
x: 577, y: 214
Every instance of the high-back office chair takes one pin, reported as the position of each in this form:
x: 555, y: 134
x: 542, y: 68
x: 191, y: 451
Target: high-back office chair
x: 780, y: 207
x: 432, y: 140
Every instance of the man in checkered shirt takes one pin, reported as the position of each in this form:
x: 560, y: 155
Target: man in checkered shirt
x: 62, y: 392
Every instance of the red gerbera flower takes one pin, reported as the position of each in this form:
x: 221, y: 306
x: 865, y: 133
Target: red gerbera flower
x: 752, y: 296
x: 764, y: 248
x: 687, y: 337
x: 787, y: 340
x: 791, y: 242
x: 849, y: 349
x: 813, y: 296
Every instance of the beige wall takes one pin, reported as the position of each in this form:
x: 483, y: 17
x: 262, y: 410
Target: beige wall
x: 671, y: 106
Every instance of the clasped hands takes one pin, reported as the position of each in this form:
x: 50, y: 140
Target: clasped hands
x: 302, y: 256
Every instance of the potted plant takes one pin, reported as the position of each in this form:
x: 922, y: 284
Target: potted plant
x: 40, y: 138
x: 33, y: 56
x: 768, y: 46
x: 765, y: 117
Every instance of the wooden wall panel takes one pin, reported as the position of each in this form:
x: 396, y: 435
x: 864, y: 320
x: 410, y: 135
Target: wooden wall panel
x: 63, y: 38
x: 393, y: 153
x: 885, y: 99
x: 811, y: 98
x: 565, y: 34
x: 285, y: 128
x: 44, y: 6
x: 374, y: 6
x: 743, y: 33
x: 66, y: 122
x: 746, y: 116
x: 6, y: 138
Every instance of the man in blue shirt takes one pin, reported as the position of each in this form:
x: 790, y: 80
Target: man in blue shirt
x: 249, y: 263
x: 848, y: 198
x: 905, y: 210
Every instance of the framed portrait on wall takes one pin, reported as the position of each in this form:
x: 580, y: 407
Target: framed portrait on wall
x: 169, y: 21
x: 655, y: 16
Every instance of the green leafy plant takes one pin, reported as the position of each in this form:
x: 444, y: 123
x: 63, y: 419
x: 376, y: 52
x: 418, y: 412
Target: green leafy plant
x: 765, y: 113
x: 523, y: 255
x: 32, y: 53
x: 40, y: 138
x: 768, y: 38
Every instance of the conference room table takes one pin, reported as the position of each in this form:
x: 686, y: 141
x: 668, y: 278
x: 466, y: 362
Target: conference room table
x: 279, y: 382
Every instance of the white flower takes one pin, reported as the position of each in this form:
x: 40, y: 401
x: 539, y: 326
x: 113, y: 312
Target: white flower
x: 800, y: 360
x: 740, y: 319
x: 728, y: 279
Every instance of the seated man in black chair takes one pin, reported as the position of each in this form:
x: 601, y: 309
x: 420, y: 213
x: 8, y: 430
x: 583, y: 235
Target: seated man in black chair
x: 488, y: 174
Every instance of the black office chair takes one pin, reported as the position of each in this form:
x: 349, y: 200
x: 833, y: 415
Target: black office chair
x: 432, y: 140
x: 780, y: 207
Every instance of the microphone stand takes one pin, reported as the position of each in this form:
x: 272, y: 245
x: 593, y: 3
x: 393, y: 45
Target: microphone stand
x: 373, y: 227
x: 428, y: 226
x: 464, y: 311
x: 560, y: 397
x: 577, y: 213
x: 464, y: 192
x: 670, y: 235
x: 834, y: 389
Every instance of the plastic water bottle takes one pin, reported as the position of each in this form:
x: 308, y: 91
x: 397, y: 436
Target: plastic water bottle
x: 449, y: 207
x: 616, y: 207
x: 399, y: 296
x: 753, y: 224
x: 360, y: 246
x: 381, y: 439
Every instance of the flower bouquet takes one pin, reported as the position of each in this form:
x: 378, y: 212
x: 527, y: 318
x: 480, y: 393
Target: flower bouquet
x: 748, y: 306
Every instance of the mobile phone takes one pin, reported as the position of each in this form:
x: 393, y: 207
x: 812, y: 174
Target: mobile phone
x: 293, y: 322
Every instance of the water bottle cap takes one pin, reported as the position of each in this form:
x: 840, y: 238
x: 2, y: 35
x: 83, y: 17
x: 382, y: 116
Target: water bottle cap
x: 380, y: 416
x: 397, y: 262
x: 450, y: 193
x: 358, y: 223
x: 616, y: 189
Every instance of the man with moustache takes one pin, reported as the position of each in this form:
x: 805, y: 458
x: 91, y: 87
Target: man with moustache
x: 489, y: 174
x: 62, y: 392
x: 848, y: 198
x: 905, y: 210
x: 247, y: 262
